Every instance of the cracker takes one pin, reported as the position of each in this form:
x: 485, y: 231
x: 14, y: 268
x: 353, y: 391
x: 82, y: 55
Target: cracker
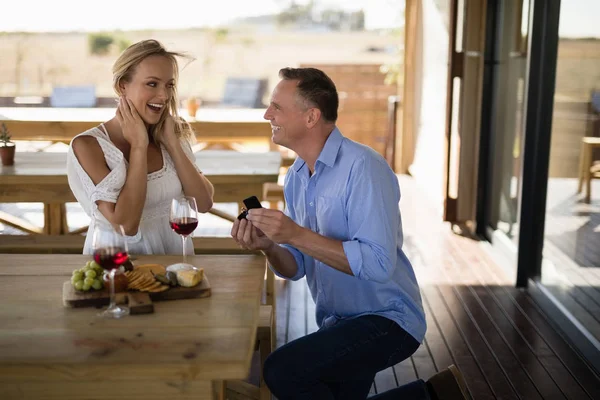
x: 142, y: 282
x: 161, y: 288
x: 152, y: 285
x: 155, y: 268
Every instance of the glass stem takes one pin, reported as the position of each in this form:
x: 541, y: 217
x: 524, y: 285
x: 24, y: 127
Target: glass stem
x: 111, y: 275
x: 183, y: 238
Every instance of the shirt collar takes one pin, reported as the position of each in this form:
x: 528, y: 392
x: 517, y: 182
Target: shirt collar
x: 328, y: 154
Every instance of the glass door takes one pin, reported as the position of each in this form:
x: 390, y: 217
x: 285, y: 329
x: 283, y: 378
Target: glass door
x: 463, y: 109
x: 506, y: 123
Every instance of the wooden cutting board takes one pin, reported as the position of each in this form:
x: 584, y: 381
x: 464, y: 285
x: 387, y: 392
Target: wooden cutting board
x: 139, y: 302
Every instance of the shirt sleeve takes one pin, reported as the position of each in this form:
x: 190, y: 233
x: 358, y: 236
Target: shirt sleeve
x: 298, y: 255
x: 372, y: 201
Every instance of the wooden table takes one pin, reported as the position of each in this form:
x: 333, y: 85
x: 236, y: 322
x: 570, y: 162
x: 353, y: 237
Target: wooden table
x: 182, y: 351
x: 213, y: 125
x: 42, y: 178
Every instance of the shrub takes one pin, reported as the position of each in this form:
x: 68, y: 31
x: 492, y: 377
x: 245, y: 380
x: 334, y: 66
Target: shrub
x: 99, y: 43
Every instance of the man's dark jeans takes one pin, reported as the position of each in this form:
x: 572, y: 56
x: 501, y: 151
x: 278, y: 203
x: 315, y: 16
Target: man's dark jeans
x: 340, y: 362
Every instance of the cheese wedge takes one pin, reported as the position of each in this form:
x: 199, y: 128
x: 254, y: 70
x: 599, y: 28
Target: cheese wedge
x: 190, y: 278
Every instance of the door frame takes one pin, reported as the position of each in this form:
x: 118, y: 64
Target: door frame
x: 465, y: 55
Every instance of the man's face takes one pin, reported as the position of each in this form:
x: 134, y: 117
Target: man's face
x: 286, y: 114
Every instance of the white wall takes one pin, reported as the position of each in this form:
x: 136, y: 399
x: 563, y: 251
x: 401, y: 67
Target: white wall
x: 428, y: 165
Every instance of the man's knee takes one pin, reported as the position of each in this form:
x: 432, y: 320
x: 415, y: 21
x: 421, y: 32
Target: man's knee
x: 274, y: 371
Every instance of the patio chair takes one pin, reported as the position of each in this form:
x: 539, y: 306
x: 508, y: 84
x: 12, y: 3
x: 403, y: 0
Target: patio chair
x: 73, y: 96
x: 589, y: 158
x: 244, y: 92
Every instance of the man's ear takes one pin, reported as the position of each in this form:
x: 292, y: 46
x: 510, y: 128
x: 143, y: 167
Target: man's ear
x: 314, y: 115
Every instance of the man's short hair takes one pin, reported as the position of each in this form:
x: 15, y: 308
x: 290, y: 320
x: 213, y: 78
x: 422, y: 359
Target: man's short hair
x: 316, y: 88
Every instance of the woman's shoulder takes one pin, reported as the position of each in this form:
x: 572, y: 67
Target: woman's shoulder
x: 95, y: 144
x: 95, y: 132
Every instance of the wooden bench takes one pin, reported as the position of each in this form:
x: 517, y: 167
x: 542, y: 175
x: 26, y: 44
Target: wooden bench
x: 73, y: 244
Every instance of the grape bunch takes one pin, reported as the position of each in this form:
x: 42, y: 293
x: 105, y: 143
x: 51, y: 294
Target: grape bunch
x: 88, y: 277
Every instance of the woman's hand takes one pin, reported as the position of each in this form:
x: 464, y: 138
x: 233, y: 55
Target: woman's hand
x: 169, y: 137
x: 132, y: 125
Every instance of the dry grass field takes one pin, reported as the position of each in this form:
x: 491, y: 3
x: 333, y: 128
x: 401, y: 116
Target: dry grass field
x: 32, y: 64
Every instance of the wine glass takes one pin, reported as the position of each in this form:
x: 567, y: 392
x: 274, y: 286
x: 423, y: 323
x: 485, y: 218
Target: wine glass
x: 184, y: 220
x: 110, y: 252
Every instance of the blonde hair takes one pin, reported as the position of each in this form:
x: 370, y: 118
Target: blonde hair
x: 124, y: 68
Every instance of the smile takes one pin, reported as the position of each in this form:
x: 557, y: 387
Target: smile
x: 156, y: 107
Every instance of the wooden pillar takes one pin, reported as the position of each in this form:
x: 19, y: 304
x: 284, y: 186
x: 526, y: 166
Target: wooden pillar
x: 408, y: 116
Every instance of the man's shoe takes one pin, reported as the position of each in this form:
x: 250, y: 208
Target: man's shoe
x: 448, y: 384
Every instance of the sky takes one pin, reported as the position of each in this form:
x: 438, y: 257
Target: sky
x: 78, y: 15
x: 579, y: 18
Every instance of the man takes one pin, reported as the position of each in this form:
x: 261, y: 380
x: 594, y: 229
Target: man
x: 342, y: 230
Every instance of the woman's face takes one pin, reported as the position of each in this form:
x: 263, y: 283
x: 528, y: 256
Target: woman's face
x: 151, y: 87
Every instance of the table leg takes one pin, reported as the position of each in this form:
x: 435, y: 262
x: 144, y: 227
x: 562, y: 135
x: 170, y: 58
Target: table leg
x: 219, y: 390
x: 581, y: 168
x: 587, y: 173
x: 55, y: 219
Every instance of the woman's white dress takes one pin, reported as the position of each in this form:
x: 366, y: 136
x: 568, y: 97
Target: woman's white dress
x: 154, y: 235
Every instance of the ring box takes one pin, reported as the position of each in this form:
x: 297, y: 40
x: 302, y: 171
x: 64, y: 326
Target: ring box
x: 250, y: 203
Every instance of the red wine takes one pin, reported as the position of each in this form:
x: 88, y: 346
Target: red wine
x: 110, y: 257
x: 184, y: 226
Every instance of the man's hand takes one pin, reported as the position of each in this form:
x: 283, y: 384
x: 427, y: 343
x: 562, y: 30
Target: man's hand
x: 274, y: 224
x: 248, y: 237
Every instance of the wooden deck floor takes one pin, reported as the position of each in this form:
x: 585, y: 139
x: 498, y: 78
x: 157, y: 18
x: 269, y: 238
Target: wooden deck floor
x: 497, y: 335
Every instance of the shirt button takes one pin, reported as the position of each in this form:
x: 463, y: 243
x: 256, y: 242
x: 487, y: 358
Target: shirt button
x: 311, y: 204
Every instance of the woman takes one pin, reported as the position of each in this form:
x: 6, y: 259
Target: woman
x: 127, y: 170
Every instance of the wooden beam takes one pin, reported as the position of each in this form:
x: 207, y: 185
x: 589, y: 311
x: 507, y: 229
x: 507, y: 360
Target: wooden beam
x: 73, y: 244
x: 19, y: 223
x: 59, y: 131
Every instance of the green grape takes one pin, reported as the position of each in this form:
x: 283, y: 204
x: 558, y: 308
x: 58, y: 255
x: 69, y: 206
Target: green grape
x: 90, y: 274
x: 76, y: 277
x: 97, y: 284
x: 86, y: 287
x: 88, y: 264
x: 88, y: 281
x: 95, y: 265
x: 79, y: 285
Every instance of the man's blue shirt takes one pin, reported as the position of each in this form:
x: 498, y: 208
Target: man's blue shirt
x: 353, y: 196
